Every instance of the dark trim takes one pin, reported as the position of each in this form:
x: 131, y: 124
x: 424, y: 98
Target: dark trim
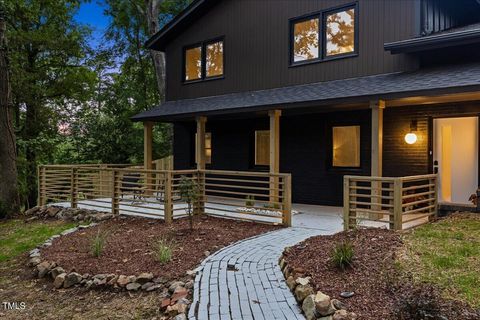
x: 322, y: 39
x: 434, y: 41
x: 159, y: 40
x: 203, y: 63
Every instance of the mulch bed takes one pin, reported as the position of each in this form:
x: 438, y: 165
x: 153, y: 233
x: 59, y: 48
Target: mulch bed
x: 380, y: 287
x: 129, y: 245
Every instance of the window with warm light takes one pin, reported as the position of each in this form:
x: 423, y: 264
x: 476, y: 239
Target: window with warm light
x: 214, y: 59
x: 204, y: 61
x: 340, y: 32
x: 262, y: 147
x: 306, y: 40
x: 193, y: 63
x: 346, y: 146
x: 324, y: 35
x: 208, y: 147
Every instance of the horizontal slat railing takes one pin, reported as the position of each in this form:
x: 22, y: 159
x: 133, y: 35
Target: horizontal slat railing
x: 399, y: 202
x: 122, y: 189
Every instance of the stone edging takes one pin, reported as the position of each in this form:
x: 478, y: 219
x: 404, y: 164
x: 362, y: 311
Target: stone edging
x: 315, y: 306
x: 174, y: 293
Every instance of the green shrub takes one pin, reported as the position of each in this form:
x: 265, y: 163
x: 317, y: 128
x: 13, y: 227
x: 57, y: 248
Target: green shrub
x: 342, y: 255
x: 97, y: 243
x: 190, y: 193
x: 163, y: 250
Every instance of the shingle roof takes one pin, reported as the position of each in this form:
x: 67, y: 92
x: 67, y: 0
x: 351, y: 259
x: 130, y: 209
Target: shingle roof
x: 445, y: 79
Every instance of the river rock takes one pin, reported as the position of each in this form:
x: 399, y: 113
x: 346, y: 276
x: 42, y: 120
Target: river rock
x: 72, y: 279
x: 173, y: 286
x: 59, y: 280
x: 43, y: 268
x: 144, y: 277
x: 134, y: 286
x: 301, y: 292
x: 308, y: 307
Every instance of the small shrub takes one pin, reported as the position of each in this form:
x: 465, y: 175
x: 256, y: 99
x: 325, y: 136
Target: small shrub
x: 98, y: 243
x: 342, y: 255
x: 163, y: 250
x: 190, y: 193
x: 250, y: 201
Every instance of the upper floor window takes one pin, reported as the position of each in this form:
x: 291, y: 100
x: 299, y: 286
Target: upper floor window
x: 305, y: 40
x: 203, y: 61
x: 340, y: 32
x: 324, y: 35
x: 193, y: 63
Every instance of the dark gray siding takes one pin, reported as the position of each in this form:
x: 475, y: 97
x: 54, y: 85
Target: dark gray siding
x: 257, y: 45
x: 304, y: 149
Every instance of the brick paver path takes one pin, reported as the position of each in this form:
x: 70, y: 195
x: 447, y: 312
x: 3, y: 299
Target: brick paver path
x: 244, y: 280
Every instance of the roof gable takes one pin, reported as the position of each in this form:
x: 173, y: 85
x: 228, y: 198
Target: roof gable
x: 180, y: 22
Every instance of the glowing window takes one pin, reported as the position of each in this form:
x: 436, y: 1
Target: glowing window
x: 340, y: 32
x: 214, y: 59
x: 193, y: 63
x: 305, y: 40
x: 262, y: 147
x: 208, y: 147
x: 346, y: 146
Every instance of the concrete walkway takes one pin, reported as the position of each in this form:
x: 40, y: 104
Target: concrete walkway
x: 244, y: 281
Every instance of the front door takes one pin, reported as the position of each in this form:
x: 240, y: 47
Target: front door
x: 455, y: 155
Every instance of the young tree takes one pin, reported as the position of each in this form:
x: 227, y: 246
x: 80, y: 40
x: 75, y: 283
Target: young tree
x: 8, y: 156
x: 190, y: 193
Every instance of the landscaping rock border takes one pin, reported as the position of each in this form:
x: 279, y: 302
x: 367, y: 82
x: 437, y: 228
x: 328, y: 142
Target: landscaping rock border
x: 67, y: 214
x: 175, y: 294
x: 315, y: 306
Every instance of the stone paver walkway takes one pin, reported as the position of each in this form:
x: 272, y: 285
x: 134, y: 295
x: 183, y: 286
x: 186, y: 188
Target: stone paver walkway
x: 244, y: 280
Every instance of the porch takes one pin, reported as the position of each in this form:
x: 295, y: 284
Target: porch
x: 250, y: 196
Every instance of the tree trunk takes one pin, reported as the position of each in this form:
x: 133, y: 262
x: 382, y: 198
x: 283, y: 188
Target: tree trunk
x: 158, y: 58
x: 9, y: 201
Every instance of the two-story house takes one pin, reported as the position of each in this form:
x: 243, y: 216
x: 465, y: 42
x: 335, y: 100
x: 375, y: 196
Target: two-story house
x: 326, y: 88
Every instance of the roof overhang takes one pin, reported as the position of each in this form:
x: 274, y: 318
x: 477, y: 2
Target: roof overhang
x: 435, y: 41
x: 397, y: 88
x: 181, y: 21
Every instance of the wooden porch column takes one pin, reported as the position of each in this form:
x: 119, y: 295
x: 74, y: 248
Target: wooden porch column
x: 200, y: 143
x: 147, y: 153
x: 274, y: 116
x: 200, y: 155
x: 377, y: 151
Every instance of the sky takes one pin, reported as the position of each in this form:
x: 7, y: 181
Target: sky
x: 92, y: 14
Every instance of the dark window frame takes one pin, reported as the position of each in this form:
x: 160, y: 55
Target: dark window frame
x: 203, y: 45
x: 329, y: 147
x: 322, y: 18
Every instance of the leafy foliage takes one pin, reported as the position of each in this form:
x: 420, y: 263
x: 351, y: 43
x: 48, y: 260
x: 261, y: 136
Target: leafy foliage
x: 73, y: 102
x: 342, y: 255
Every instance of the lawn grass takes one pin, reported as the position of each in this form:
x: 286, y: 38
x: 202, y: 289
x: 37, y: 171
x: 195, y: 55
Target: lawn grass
x: 447, y: 253
x: 17, y: 237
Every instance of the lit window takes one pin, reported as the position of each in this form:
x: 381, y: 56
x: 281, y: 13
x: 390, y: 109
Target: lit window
x: 208, y: 147
x: 305, y: 40
x: 340, y: 32
x: 346, y: 146
x: 193, y: 63
x: 262, y: 147
x: 214, y: 59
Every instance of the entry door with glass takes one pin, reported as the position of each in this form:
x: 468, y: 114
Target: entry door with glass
x: 455, y: 155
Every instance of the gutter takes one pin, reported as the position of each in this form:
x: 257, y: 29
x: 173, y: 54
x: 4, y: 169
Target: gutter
x: 434, y: 41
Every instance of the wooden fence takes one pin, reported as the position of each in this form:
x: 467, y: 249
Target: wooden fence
x: 399, y: 203
x: 121, y: 189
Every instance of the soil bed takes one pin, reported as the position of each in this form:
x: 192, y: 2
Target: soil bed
x: 381, y: 288
x: 129, y: 247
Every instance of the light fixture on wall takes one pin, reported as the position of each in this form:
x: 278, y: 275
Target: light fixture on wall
x: 411, y: 137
